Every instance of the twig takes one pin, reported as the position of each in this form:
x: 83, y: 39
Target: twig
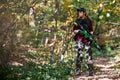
x: 112, y: 23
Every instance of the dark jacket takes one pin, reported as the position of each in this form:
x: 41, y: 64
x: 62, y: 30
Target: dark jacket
x: 87, y: 24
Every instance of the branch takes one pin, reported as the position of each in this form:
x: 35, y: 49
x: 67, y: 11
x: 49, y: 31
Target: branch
x: 112, y: 23
x: 32, y: 3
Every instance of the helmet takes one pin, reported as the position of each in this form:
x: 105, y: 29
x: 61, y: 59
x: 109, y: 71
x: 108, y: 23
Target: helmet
x: 81, y: 9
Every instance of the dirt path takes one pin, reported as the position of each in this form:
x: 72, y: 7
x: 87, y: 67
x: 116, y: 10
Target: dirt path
x: 104, y: 70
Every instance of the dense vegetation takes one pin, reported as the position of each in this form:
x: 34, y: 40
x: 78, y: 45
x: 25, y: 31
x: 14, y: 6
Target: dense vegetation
x: 36, y: 41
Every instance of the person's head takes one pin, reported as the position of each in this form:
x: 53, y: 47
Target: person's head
x: 82, y: 12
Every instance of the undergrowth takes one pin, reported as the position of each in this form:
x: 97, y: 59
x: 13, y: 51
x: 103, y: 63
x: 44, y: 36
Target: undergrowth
x: 53, y: 70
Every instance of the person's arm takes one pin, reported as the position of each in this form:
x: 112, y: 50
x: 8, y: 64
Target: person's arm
x: 89, y: 26
x: 75, y: 29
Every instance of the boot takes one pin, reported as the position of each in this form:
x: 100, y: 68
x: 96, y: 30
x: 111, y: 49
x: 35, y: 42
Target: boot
x: 77, y: 72
x: 91, y: 73
x: 90, y: 69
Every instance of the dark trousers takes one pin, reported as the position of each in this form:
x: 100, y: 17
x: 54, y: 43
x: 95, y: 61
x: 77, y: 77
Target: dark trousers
x: 80, y: 47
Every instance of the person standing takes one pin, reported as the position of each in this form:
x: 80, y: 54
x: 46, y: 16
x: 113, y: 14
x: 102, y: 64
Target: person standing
x: 83, y: 44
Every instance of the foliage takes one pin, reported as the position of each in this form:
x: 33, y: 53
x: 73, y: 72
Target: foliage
x: 41, y: 32
x: 61, y: 70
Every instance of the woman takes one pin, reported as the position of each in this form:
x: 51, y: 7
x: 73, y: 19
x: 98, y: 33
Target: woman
x: 83, y: 43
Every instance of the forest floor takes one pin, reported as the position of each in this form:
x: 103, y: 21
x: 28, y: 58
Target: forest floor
x: 104, y: 70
